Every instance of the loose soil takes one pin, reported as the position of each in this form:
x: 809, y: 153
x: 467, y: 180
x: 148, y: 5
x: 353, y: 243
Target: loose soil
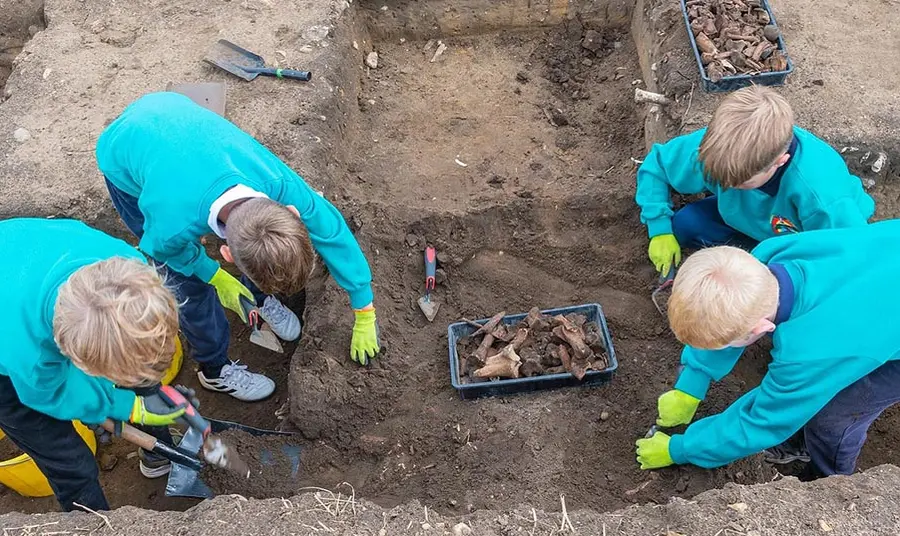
x: 272, y: 472
x: 8, y: 449
x: 513, y: 155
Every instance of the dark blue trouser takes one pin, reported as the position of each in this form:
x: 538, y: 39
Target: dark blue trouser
x: 56, y: 448
x: 835, y: 436
x: 201, y: 316
x: 700, y: 225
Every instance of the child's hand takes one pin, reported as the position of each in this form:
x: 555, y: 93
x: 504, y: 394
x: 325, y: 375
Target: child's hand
x: 653, y: 453
x: 664, y: 251
x: 364, y: 344
x: 229, y: 290
x: 675, y: 408
x: 154, y: 411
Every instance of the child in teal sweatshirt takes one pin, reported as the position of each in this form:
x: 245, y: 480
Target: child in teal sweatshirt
x: 84, y: 313
x: 766, y: 177
x: 835, y: 364
x: 177, y: 171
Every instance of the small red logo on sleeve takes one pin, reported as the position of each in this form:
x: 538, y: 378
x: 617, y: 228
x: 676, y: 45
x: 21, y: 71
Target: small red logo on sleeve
x: 781, y: 225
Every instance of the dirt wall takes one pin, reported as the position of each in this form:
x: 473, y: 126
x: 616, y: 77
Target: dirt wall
x: 863, y: 504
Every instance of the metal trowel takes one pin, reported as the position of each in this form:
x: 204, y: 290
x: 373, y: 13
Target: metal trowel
x: 428, y: 307
x: 261, y: 335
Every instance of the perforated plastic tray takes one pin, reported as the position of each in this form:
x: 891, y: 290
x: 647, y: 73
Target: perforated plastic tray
x: 592, y: 311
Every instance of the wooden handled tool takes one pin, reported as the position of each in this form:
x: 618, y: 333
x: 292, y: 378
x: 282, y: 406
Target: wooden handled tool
x: 151, y: 444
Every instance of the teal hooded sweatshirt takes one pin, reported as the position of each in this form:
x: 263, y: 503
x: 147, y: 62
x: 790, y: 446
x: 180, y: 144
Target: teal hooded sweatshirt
x: 36, y: 258
x: 177, y: 158
x: 816, y: 191
x: 839, y: 325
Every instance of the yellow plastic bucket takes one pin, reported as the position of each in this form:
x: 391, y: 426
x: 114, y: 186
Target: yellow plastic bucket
x: 22, y: 475
x: 175, y: 367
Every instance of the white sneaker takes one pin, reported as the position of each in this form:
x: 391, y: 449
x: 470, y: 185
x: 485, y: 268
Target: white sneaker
x: 239, y: 382
x: 282, y: 320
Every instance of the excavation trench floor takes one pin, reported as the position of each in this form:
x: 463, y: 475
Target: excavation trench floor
x: 512, y: 154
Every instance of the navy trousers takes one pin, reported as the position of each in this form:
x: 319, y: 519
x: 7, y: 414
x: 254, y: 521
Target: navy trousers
x: 56, y: 448
x: 700, y: 225
x: 835, y: 436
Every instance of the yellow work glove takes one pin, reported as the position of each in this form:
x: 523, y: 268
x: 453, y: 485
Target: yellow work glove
x: 364, y: 344
x: 653, y: 452
x: 675, y: 408
x: 229, y: 289
x: 664, y: 251
x: 154, y: 411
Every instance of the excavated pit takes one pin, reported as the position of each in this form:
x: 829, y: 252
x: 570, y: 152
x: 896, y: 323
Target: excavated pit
x: 512, y: 153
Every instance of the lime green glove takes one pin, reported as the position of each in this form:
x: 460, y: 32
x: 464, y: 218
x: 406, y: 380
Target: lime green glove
x: 653, y: 453
x: 229, y: 289
x: 154, y: 411
x: 664, y: 250
x: 364, y: 344
x: 675, y: 408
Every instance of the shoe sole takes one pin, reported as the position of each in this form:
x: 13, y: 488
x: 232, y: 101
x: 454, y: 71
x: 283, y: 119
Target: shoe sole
x: 155, y: 472
x: 229, y: 391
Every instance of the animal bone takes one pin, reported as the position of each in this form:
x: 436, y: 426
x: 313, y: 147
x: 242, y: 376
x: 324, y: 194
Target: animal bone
x: 562, y: 354
x: 705, y: 44
x: 519, y: 340
x: 648, y: 96
x: 488, y: 329
x: 537, y: 321
x: 504, y: 365
x: 531, y: 363
x: 573, y: 335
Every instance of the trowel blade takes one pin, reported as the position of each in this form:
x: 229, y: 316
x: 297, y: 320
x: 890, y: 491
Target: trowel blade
x: 266, y: 338
x: 429, y: 308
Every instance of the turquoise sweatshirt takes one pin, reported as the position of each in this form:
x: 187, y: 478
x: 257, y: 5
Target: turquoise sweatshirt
x: 177, y: 158
x: 816, y: 190
x: 36, y: 258
x: 841, y: 327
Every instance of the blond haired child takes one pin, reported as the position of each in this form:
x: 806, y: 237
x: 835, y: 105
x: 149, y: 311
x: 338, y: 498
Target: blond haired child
x: 765, y: 177
x: 836, y: 350
x: 177, y: 171
x: 87, y: 319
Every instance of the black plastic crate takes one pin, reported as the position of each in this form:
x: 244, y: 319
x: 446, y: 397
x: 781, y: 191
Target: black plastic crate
x: 592, y: 311
x: 731, y: 83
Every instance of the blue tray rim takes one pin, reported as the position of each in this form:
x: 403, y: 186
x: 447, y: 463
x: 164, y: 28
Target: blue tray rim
x: 739, y: 77
x: 610, y: 350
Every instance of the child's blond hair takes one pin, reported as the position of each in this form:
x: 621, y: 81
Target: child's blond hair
x: 719, y: 295
x: 115, y: 318
x: 749, y: 130
x: 271, y: 246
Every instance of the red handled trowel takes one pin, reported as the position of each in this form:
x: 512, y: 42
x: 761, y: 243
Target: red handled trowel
x: 428, y: 307
x: 260, y: 334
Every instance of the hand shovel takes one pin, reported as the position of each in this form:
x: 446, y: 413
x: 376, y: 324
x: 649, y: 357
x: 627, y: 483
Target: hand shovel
x: 428, y: 307
x: 260, y: 335
x: 665, y: 283
x: 245, y: 64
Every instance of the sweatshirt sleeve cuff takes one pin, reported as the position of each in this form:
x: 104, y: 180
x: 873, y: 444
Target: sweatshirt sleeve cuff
x: 122, y: 404
x: 676, y: 449
x: 659, y: 226
x: 361, y: 297
x: 693, y: 382
x: 206, y: 268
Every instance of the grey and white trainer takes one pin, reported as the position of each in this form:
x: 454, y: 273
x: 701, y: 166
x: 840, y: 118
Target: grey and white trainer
x: 282, y: 320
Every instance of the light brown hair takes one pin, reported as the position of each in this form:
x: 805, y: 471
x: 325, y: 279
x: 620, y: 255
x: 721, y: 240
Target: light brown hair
x: 115, y: 318
x: 749, y: 130
x: 719, y: 295
x: 270, y: 245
